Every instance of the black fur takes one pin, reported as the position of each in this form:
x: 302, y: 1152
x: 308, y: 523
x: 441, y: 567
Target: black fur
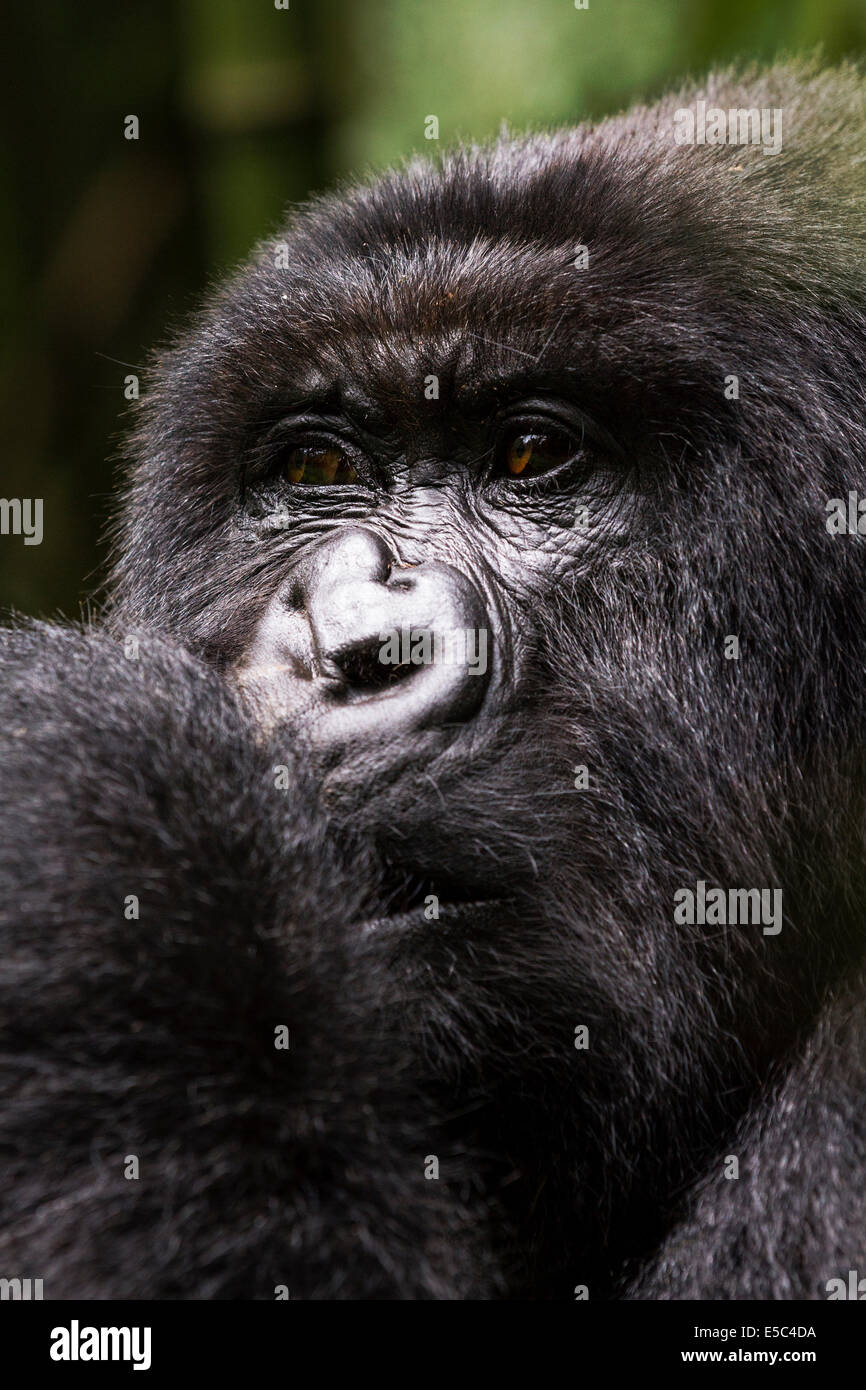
x: 560, y: 1167
x: 155, y: 1037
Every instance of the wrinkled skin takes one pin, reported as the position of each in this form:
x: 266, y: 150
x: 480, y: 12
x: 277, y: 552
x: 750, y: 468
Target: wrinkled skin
x: 576, y: 486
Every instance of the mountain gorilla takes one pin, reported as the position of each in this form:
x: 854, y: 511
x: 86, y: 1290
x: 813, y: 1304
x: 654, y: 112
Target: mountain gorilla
x: 440, y: 874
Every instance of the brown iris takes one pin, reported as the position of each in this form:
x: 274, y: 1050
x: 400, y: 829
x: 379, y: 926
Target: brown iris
x: 531, y: 454
x: 319, y: 467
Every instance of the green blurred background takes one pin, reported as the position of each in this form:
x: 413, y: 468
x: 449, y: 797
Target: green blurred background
x: 106, y: 244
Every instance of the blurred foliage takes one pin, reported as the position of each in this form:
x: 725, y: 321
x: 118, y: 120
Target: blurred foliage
x: 105, y: 243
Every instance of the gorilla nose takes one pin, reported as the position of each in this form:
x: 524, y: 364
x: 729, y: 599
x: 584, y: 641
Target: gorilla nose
x: 356, y: 645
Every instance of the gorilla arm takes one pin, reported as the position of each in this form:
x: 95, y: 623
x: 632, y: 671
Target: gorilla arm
x: 148, y: 1028
x: 794, y: 1220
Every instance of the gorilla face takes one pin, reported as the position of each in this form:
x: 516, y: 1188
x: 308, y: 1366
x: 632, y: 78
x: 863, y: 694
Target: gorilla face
x: 426, y: 422
x: 419, y: 442
x: 403, y: 640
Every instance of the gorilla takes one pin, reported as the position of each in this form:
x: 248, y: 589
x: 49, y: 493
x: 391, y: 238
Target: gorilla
x: 437, y: 873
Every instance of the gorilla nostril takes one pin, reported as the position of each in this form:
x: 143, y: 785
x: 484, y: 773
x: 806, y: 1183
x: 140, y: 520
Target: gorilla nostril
x: 294, y: 596
x: 364, y: 671
x: 401, y: 579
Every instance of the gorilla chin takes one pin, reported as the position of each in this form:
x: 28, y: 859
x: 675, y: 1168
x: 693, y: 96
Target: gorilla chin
x: 472, y: 602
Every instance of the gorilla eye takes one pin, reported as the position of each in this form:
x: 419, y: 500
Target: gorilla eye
x: 532, y: 453
x: 319, y: 467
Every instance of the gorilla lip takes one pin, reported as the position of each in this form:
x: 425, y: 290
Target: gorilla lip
x: 449, y: 913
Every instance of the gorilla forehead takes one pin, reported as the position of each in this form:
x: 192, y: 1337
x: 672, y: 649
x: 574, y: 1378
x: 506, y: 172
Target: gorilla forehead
x: 489, y: 317
x: 484, y: 239
x: 465, y: 267
x: 371, y: 328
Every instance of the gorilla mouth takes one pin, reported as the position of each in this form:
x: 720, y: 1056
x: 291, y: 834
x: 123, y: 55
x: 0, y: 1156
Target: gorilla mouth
x: 450, y: 913
x: 419, y: 903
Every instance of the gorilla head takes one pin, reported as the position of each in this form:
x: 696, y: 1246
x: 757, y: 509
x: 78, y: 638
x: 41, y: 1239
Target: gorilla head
x: 499, y: 487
